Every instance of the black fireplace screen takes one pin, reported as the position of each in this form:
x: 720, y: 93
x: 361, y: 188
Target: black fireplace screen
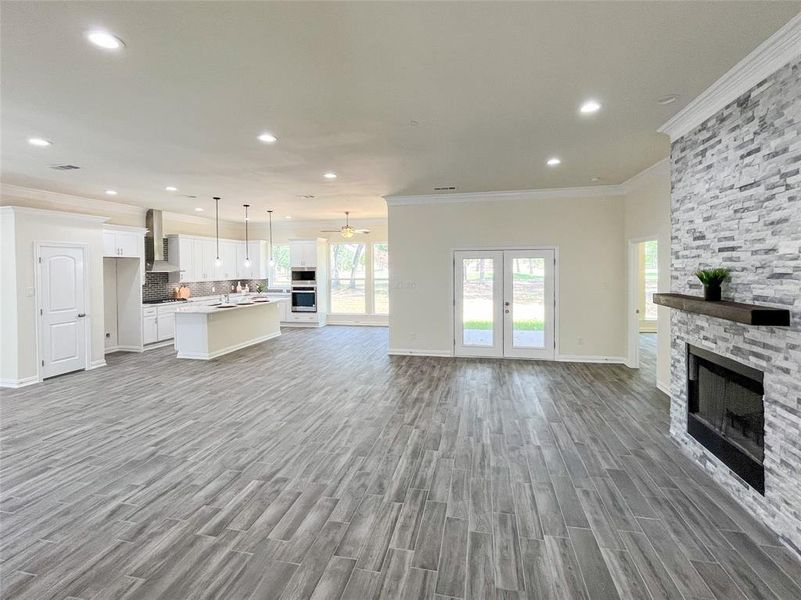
x: 725, y: 412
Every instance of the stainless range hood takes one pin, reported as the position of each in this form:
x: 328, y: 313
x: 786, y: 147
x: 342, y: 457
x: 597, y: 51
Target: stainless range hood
x: 154, y: 245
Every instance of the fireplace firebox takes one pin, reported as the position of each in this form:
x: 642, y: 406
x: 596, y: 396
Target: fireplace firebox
x: 726, y: 414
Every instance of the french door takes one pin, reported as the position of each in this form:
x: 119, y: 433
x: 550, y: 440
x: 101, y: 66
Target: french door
x: 504, y: 303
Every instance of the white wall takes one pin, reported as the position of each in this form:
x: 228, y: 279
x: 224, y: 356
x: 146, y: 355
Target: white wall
x: 647, y: 213
x: 8, y: 299
x: 588, y: 232
x: 32, y: 226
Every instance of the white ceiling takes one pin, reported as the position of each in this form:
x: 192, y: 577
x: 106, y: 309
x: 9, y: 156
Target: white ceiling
x: 494, y: 89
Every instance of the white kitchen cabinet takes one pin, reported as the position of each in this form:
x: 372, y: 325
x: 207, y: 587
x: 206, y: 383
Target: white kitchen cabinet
x: 242, y: 271
x: 123, y: 244
x: 303, y: 253
x: 204, y: 253
x: 149, y: 326
x: 165, y: 325
x: 227, y: 270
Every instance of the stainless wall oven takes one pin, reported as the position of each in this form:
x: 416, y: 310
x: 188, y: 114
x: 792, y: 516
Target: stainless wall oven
x: 304, y: 298
x: 304, y: 290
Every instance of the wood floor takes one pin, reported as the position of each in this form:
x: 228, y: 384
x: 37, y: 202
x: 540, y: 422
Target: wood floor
x: 315, y: 466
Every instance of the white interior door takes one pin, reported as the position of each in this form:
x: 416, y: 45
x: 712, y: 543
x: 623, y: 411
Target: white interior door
x: 63, y: 309
x: 528, y: 323
x: 478, y: 306
x: 504, y: 303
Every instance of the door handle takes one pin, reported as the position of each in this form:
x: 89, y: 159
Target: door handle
x: 81, y: 315
x: 506, y: 304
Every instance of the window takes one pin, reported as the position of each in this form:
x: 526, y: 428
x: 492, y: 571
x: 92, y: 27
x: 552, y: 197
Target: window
x: 280, y: 272
x: 381, y: 279
x: 348, y: 279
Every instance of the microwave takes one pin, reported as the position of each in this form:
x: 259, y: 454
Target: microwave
x: 303, y: 275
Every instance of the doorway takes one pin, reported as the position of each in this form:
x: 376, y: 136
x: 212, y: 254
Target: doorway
x: 62, y: 309
x: 504, y: 303
x: 643, y: 281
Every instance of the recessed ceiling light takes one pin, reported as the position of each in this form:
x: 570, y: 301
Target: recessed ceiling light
x: 105, y: 40
x: 39, y: 142
x: 111, y: 192
x: 171, y: 188
x: 669, y: 99
x: 288, y: 217
x: 330, y: 175
x: 268, y: 138
x: 590, y: 106
x: 552, y: 162
x: 198, y: 209
x: 596, y: 179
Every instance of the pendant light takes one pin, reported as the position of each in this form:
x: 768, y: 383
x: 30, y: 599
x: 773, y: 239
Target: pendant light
x: 272, y: 257
x: 247, y: 245
x: 217, y: 261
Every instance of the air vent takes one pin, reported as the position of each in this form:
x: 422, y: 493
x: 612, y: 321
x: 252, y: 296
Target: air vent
x: 64, y: 167
x: 188, y: 196
x: 307, y: 196
x: 445, y: 188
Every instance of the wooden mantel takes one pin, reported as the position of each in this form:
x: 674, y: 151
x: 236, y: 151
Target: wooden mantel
x: 750, y: 314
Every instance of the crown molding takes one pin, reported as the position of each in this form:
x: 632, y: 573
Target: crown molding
x: 597, y: 191
x: 43, y: 213
x: 767, y: 58
x: 10, y: 191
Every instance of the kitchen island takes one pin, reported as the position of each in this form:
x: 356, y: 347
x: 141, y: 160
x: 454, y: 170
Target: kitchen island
x: 205, y: 332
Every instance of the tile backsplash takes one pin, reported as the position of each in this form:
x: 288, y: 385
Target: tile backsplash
x: 158, y: 286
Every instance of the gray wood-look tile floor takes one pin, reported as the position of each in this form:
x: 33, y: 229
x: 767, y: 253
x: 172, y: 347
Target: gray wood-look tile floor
x: 315, y: 466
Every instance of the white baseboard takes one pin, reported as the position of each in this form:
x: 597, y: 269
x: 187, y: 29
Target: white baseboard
x: 18, y: 383
x: 228, y: 350
x: 356, y: 323
x: 407, y: 352
x: 299, y: 324
x: 160, y: 344
x: 663, y: 387
x: 584, y: 358
x: 96, y: 364
x: 112, y: 349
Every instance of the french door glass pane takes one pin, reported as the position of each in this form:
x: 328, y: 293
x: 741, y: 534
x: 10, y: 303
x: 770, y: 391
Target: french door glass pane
x: 478, y: 298
x: 528, y: 302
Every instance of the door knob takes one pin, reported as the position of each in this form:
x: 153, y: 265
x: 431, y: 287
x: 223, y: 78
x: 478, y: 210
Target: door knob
x: 506, y: 304
x: 506, y: 311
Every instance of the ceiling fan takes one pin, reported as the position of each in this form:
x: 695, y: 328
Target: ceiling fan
x: 346, y: 231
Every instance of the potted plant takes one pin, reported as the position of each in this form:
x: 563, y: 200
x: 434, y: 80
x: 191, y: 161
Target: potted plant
x: 711, y: 280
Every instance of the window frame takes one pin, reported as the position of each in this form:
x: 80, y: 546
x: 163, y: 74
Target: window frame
x: 369, y: 278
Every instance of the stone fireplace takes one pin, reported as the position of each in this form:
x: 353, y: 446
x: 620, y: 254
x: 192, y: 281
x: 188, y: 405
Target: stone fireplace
x: 736, y: 203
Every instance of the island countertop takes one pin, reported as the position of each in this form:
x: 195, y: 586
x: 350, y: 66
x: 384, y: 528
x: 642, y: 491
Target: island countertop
x: 209, y: 309
x: 206, y: 332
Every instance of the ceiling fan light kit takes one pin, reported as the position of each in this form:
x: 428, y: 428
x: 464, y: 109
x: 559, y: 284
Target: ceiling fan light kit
x: 346, y: 231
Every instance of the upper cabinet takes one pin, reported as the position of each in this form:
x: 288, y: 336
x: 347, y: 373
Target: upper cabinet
x: 123, y: 242
x: 196, y: 257
x: 303, y: 253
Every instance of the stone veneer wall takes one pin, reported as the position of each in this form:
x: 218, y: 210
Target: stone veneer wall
x: 736, y: 202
